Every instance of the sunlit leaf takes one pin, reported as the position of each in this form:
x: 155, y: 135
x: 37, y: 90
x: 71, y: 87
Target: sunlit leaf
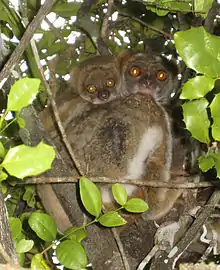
x: 72, y: 255
x: 202, y: 5
x: 214, y: 107
x: 111, y: 219
x: 43, y: 225
x: 22, y: 160
x: 119, y: 194
x: 197, y: 87
x: 90, y: 196
x: 136, y: 205
x: 196, y: 119
x: 206, y: 163
x: 15, y: 227
x: 198, y: 49
x: 22, y: 94
x: 38, y: 263
x: 24, y: 246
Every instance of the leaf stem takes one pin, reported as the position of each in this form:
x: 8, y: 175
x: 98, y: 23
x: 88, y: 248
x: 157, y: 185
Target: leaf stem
x: 68, y: 234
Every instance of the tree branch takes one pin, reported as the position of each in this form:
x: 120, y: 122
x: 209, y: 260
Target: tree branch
x: 25, y: 40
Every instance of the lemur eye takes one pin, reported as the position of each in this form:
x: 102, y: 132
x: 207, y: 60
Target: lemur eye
x: 91, y: 88
x: 161, y: 75
x: 135, y: 71
x: 110, y: 82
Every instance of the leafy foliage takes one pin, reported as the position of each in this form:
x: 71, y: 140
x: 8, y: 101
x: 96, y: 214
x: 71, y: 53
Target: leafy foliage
x: 198, y: 49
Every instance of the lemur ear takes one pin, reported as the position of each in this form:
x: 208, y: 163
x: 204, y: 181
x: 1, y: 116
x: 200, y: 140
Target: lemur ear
x: 123, y: 57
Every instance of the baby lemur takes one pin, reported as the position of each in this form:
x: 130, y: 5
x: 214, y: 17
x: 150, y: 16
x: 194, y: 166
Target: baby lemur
x: 97, y: 79
x: 128, y: 137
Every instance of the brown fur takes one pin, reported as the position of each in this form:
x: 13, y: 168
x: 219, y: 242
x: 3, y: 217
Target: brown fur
x: 106, y: 137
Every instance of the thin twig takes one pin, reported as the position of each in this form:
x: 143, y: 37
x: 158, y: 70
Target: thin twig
x: 119, y: 244
x: 25, y: 40
x: 58, y: 120
x: 53, y: 103
x: 193, y: 230
x: 121, y: 249
x: 149, y: 256
x: 146, y: 25
x: 107, y: 180
x: 55, y: 30
x: 104, y: 28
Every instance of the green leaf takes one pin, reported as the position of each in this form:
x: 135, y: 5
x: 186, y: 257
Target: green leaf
x: 136, y: 205
x: 202, y: 5
x: 24, y: 246
x: 22, y: 160
x: 25, y: 216
x: 196, y: 119
x: 66, y: 10
x: 216, y: 157
x: 4, y: 188
x: 72, y: 255
x: 2, y: 150
x: 38, y: 263
x: 206, y: 163
x: 43, y: 225
x: 214, y: 107
x: 29, y: 195
x: 9, y: 15
x: 111, y: 219
x: 119, y: 194
x: 197, y: 87
x: 75, y: 233
x: 198, y: 49
x: 22, y: 94
x: 21, y: 122
x: 3, y: 176
x: 90, y: 196
x: 15, y: 227
x: 21, y: 258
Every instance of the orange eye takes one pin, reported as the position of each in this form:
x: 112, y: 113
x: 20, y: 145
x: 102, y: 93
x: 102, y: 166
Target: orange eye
x: 110, y: 82
x: 135, y: 71
x: 91, y: 88
x: 161, y: 75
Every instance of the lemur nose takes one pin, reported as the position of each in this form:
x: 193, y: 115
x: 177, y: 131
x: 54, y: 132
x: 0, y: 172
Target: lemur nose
x: 145, y: 79
x: 104, y: 94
